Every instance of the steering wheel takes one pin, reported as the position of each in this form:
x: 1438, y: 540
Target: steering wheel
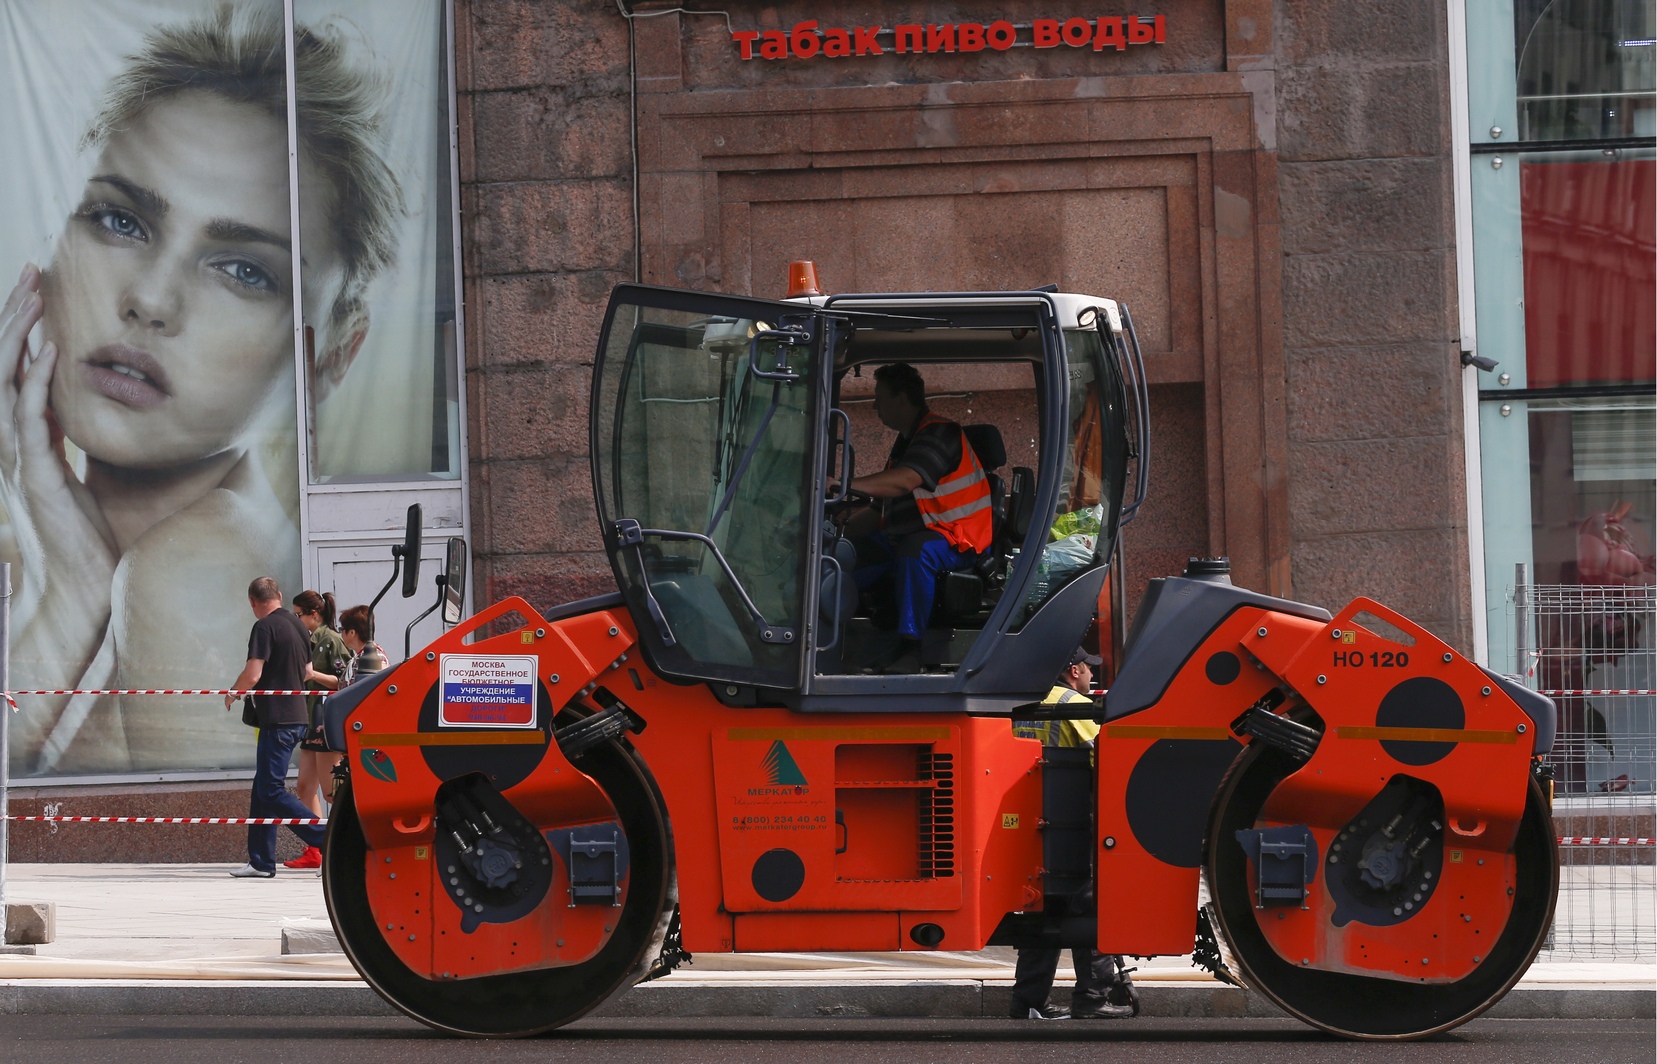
x: 850, y: 501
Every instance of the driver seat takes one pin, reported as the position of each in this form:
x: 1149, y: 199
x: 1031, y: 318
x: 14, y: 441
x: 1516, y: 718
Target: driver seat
x: 964, y: 593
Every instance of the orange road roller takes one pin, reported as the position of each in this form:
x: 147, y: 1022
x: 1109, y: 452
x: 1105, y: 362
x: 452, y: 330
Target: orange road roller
x: 544, y: 807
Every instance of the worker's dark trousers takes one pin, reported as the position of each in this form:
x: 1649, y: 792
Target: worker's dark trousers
x: 1033, y: 978
x: 913, y: 562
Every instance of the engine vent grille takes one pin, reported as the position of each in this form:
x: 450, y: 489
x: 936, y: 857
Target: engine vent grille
x: 936, y: 845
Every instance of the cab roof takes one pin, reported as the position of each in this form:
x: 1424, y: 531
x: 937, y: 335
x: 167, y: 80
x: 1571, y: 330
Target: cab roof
x: 1068, y: 307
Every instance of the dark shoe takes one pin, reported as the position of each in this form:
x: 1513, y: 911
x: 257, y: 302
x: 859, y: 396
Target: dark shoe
x: 1101, y: 1010
x: 247, y: 871
x: 907, y: 663
x: 1021, y: 1011
x: 1123, y: 993
x: 901, y: 660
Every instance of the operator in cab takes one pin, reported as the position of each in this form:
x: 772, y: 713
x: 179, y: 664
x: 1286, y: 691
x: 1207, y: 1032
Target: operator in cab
x: 931, y: 510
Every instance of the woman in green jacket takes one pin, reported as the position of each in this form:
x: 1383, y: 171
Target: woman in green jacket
x: 328, y: 658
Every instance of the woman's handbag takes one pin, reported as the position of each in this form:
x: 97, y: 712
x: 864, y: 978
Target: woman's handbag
x: 250, y: 714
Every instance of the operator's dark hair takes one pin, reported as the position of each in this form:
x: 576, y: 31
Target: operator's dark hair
x: 264, y: 589
x: 903, y: 379
x: 359, y: 621
x: 322, y: 604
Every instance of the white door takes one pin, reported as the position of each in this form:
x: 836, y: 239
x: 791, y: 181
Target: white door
x: 355, y: 573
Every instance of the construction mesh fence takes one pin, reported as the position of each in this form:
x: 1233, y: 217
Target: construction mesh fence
x: 1591, y: 649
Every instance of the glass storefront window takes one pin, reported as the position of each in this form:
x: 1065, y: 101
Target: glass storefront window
x: 1589, y: 233
x: 1586, y: 69
x: 1565, y: 267
x: 1564, y: 228
x: 162, y: 470
x: 1593, y: 463
x: 381, y: 383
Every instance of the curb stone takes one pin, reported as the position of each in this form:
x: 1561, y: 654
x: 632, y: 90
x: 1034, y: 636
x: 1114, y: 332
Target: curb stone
x: 911, y: 999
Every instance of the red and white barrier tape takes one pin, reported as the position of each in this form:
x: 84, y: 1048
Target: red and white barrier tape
x: 1587, y: 840
x: 134, y: 691
x: 262, y: 820
x: 1573, y: 694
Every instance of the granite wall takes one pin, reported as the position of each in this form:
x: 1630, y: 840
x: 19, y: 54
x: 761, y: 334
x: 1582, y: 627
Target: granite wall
x: 1270, y: 191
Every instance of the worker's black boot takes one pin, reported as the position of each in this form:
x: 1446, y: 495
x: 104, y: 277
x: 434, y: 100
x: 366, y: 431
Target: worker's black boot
x: 1120, y: 990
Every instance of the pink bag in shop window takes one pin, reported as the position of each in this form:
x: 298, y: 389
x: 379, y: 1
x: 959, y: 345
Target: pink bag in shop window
x: 1606, y: 552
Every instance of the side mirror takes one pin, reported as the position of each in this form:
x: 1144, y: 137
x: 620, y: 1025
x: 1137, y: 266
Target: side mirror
x: 454, y: 587
x: 411, y: 552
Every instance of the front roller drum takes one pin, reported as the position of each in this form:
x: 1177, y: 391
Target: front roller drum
x: 1355, y: 1006
x: 519, y: 1003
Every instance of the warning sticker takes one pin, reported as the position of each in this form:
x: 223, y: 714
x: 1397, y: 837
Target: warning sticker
x: 487, y: 692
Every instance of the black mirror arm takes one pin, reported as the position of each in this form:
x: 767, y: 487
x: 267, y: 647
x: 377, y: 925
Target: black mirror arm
x: 396, y: 570
x: 408, y: 633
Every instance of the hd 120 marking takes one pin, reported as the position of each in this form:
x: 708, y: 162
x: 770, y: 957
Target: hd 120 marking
x: 1385, y: 659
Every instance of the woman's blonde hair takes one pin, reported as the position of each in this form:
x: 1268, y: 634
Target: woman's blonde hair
x: 238, y: 53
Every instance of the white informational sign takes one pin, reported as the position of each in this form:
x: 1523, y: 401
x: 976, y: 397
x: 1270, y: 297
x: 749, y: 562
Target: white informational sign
x: 487, y: 692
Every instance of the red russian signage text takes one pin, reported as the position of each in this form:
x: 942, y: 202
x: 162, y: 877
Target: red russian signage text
x: 807, y: 40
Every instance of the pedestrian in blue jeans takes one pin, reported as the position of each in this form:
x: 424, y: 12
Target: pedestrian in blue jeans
x: 278, y: 649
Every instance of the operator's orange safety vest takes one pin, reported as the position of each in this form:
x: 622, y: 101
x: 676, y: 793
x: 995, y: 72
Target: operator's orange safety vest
x: 959, y: 508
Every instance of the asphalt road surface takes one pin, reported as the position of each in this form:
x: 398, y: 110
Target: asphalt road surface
x: 330, y: 1040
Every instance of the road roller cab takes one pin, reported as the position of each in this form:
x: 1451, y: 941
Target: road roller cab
x: 723, y: 438
x: 550, y: 803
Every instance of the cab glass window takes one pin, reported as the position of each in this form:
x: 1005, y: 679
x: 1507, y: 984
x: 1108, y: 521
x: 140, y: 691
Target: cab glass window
x: 1083, y: 525
x: 711, y: 461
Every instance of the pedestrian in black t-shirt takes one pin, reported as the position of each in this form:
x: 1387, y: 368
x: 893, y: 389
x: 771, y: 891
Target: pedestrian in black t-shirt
x: 278, y: 649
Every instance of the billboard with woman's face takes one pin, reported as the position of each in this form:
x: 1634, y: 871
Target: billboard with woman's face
x: 159, y: 408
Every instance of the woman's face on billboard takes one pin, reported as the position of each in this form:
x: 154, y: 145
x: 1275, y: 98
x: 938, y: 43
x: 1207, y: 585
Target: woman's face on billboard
x: 170, y: 294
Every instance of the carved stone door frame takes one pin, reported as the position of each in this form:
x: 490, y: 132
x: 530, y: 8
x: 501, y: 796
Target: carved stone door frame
x: 706, y: 158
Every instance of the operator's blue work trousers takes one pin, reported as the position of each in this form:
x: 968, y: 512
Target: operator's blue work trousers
x: 913, y: 562
x: 271, y: 797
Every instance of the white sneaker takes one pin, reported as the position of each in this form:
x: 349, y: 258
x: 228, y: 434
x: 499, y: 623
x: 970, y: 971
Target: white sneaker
x: 247, y: 871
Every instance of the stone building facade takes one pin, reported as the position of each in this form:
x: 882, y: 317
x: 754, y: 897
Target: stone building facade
x: 1270, y: 190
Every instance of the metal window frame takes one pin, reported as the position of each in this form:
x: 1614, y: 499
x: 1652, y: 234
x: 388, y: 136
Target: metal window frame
x: 461, y: 483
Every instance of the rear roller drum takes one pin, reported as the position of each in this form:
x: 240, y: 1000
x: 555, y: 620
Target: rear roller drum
x: 518, y: 1003
x: 1360, y: 1006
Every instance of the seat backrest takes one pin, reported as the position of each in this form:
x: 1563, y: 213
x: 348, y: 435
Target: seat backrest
x: 986, y: 444
x: 1021, y: 506
x: 991, y: 561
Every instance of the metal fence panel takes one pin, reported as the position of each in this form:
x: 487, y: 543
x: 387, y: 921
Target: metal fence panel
x: 1591, y: 649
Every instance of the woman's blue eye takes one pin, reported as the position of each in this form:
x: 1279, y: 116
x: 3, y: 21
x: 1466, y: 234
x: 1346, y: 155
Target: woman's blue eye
x: 119, y: 222
x: 250, y: 274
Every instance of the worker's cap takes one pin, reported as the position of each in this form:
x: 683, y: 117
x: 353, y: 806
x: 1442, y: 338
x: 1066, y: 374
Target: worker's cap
x: 1082, y: 657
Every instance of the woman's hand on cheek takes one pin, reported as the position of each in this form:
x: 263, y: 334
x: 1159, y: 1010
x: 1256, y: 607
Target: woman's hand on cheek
x: 21, y: 313
x: 65, y: 529
x: 63, y: 599
x: 43, y: 467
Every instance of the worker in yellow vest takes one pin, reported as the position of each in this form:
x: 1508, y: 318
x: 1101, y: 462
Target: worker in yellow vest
x: 1104, y: 989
